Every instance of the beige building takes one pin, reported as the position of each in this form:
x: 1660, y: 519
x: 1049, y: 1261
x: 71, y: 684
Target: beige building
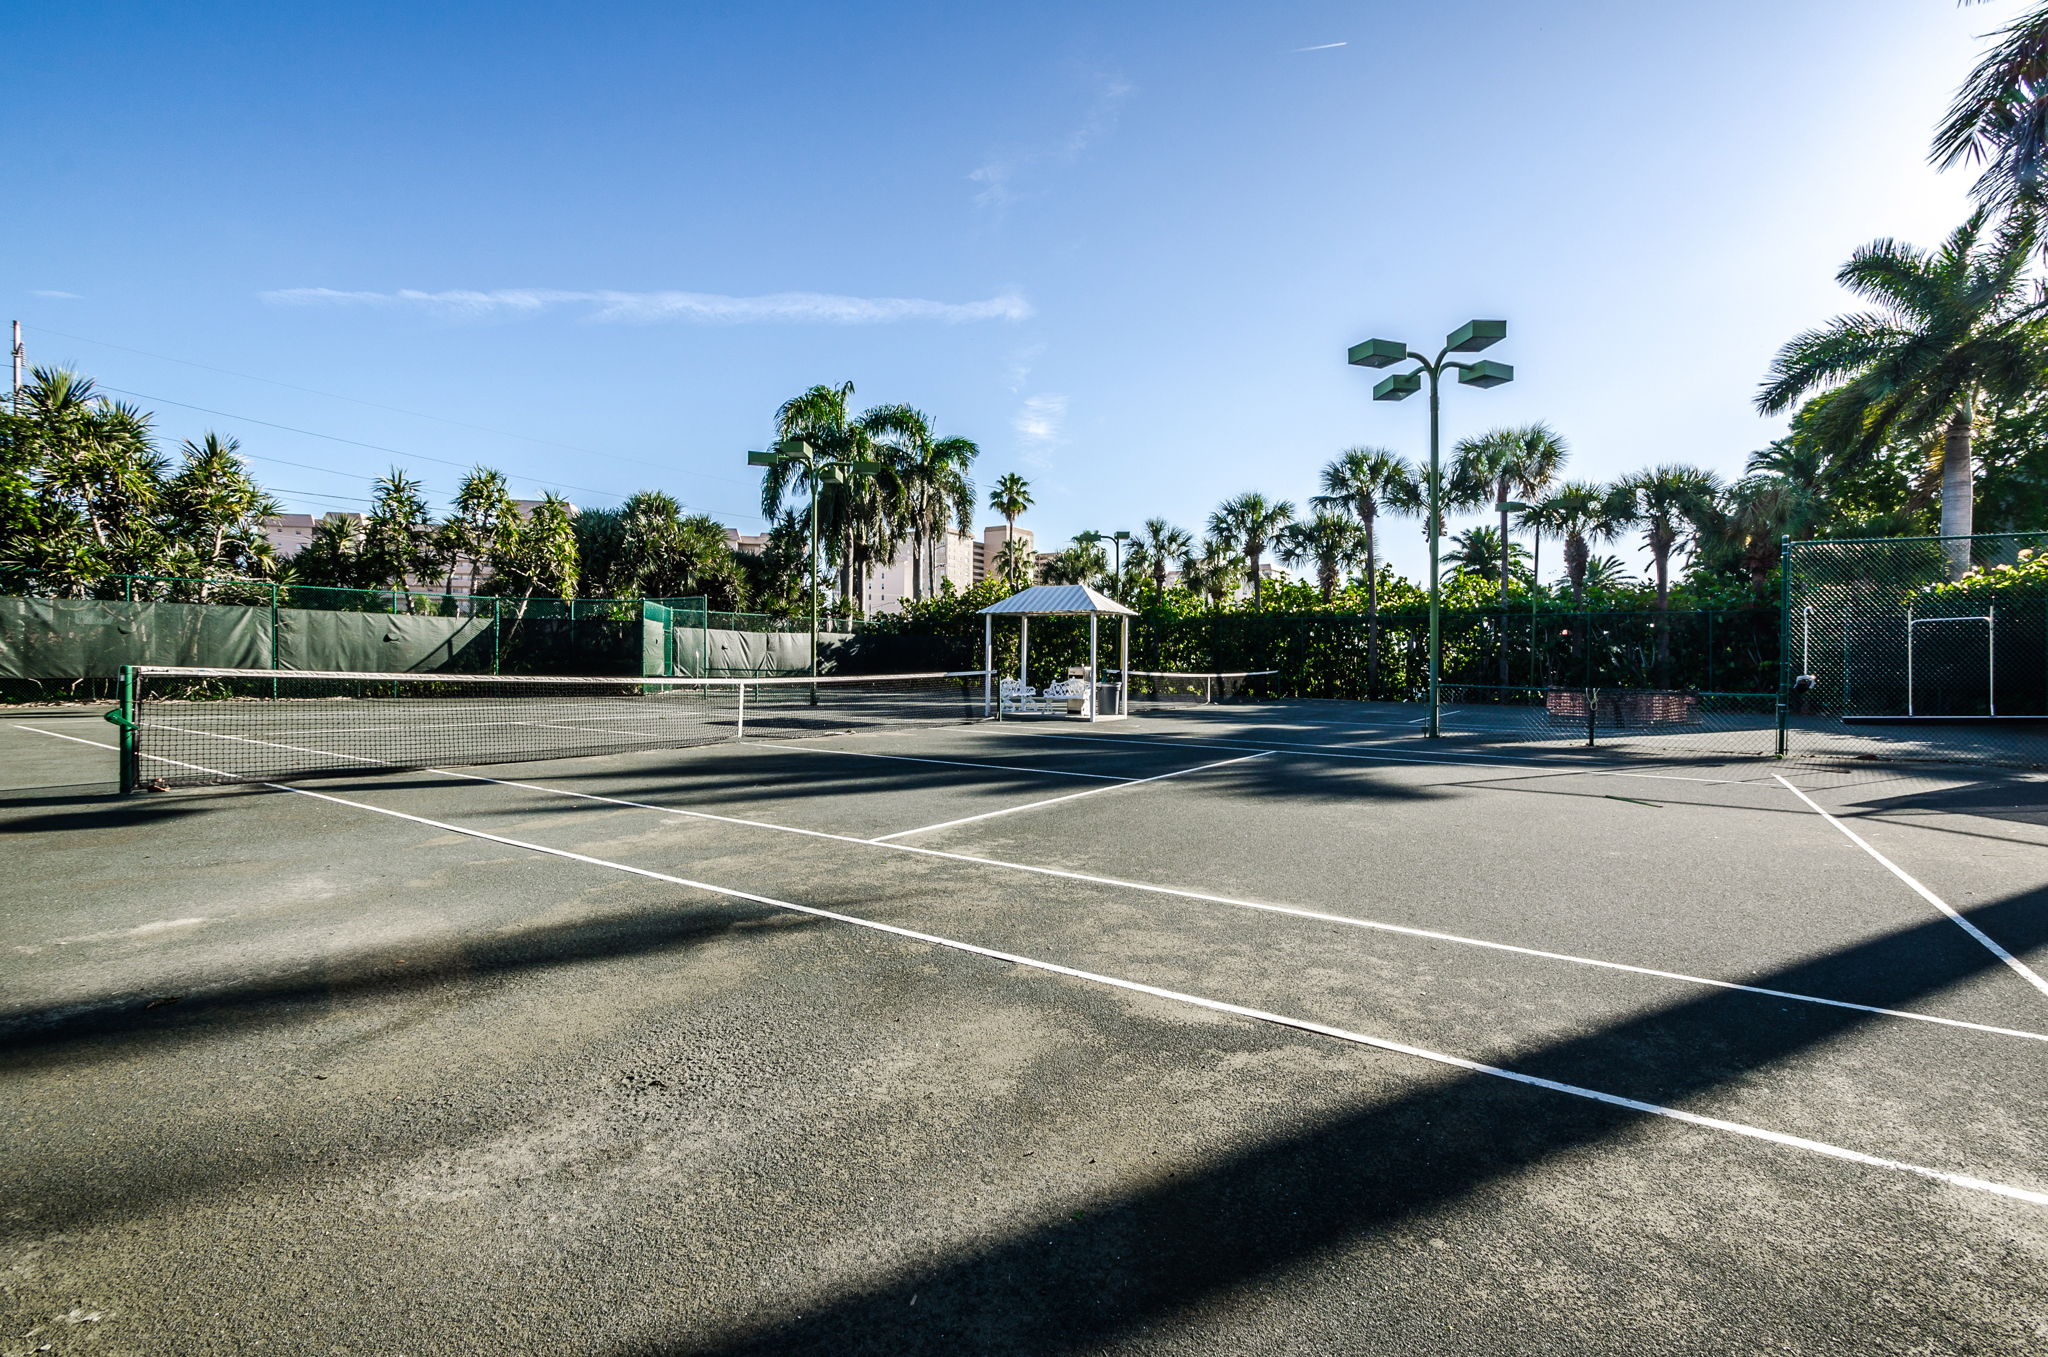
x: 290, y: 534
x: 955, y: 556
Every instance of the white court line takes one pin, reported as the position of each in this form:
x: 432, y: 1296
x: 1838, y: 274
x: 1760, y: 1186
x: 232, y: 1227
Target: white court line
x: 1294, y: 911
x: 765, y: 744
x: 1819, y: 1147
x: 1325, y: 751
x: 1070, y: 796
x: 2026, y: 972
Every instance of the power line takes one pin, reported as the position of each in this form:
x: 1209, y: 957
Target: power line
x: 394, y: 409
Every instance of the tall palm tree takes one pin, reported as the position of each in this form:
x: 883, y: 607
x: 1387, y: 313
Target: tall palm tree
x: 1011, y: 497
x: 1950, y: 336
x: 1333, y: 542
x: 1161, y: 544
x: 1250, y: 520
x: 1364, y: 482
x: 481, y: 521
x: 1669, y: 502
x: 932, y: 472
x: 861, y: 518
x: 1581, y: 513
x: 2000, y: 117
x: 1506, y: 465
x: 1016, y: 563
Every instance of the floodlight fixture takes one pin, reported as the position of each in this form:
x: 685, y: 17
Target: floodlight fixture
x: 1398, y: 387
x: 1486, y: 373
x: 762, y: 459
x: 1377, y: 353
x: 1475, y: 335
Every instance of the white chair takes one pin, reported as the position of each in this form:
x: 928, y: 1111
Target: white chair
x: 1017, y: 697
x: 1074, y: 694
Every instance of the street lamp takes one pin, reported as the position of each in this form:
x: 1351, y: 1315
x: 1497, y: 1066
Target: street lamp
x: 1116, y: 539
x: 818, y: 471
x: 1470, y: 337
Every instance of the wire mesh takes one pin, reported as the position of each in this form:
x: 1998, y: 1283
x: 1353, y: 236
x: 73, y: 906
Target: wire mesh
x: 1922, y: 647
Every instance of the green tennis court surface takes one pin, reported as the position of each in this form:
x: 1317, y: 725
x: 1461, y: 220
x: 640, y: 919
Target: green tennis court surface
x: 1264, y: 1028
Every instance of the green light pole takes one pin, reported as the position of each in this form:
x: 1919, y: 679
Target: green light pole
x: 818, y: 471
x: 1116, y: 540
x: 1470, y: 337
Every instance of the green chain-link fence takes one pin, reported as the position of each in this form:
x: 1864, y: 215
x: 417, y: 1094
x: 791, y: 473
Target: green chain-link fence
x: 1918, y: 647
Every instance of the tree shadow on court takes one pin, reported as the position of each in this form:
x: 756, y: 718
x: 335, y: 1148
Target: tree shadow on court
x: 1163, y: 1253
x: 64, y: 810
x: 385, y: 970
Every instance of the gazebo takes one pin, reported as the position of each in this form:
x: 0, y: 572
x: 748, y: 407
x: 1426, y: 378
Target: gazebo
x: 1058, y: 600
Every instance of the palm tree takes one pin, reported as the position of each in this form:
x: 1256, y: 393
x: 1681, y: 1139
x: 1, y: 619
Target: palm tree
x: 2000, y: 117
x: 1011, y: 497
x: 1161, y: 544
x: 1363, y: 482
x: 1213, y: 569
x: 861, y: 517
x: 1508, y: 464
x: 1951, y: 335
x: 1080, y: 563
x: 481, y: 522
x: 216, y: 507
x: 1582, y: 514
x: 1251, y: 520
x: 932, y: 472
x: 1669, y: 501
x: 1332, y: 541
x: 1016, y: 563
x: 1608, y: 572
x: 94, y: 459
x: 1482, y: 554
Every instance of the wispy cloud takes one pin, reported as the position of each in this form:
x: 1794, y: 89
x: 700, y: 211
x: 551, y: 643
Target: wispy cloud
x: 1041, y: 424
x: 995, y: 178
x: 1322, y: 47
x: 53, y: 293
x: 820, y: 308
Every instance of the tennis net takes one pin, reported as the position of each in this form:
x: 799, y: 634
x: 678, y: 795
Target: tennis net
x: 1157, y: 688
x: 193, y: 727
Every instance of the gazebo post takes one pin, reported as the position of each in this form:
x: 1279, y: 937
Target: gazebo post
x: 1092, y: 672
x: 1024, y: 650
x: 988, y: 659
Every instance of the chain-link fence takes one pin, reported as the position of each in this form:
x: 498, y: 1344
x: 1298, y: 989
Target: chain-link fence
x: 1918, y: 648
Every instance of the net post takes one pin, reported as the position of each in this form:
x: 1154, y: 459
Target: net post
x: 739, y: 727
x: 123, y: 717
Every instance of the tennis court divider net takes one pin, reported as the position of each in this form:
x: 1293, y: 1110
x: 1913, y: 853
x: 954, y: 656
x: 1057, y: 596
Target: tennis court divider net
x: 193, y: 727
x: 1158, y: 688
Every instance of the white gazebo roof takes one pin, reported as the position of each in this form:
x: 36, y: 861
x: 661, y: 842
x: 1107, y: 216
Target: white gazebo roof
x: 1058, y: 600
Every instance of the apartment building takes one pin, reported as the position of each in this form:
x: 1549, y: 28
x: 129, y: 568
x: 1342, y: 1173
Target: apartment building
x: 955, y: 556
x: 289, y: 534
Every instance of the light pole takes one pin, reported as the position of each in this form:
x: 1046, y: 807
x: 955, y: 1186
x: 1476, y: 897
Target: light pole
x: 1116, y: 540
x: 817, y: 471
x: 1470, y: 337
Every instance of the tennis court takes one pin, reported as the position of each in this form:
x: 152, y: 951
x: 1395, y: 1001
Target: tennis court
x: 1262, y: 1027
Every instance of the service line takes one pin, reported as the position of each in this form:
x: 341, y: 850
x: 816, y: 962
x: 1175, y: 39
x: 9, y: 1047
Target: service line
x: 1070, y: 796
x: 2025, y: 971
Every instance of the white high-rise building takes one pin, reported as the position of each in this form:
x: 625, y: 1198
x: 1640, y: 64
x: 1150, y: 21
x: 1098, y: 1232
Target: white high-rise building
x: 955, y: 556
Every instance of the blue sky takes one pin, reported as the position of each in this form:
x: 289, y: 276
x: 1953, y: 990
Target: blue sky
x: 1122, y: 246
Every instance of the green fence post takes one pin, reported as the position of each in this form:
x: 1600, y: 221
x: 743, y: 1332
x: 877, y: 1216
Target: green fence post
x: 1592, y: 716
x: 274, y: 622
x: 497, y: 634
x: 1785, y: 554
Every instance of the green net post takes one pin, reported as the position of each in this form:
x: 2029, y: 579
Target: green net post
x: 1786, y: 548
x: 123, y: 717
